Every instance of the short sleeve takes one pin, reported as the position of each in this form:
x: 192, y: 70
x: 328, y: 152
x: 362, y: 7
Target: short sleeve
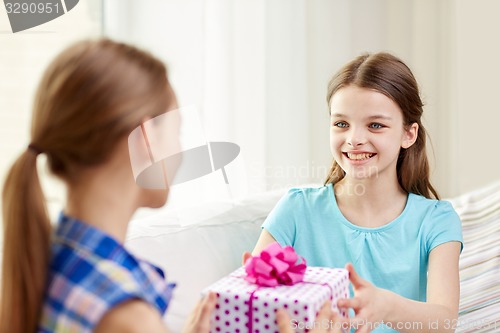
x: 443, y: 226
x: 281, y: 222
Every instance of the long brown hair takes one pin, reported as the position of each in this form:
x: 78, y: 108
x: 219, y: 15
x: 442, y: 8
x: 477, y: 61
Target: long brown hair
x: 91, y: 96
x: 390, y: 76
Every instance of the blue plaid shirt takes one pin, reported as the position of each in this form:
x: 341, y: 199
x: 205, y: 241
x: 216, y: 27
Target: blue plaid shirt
x: 89, y: 274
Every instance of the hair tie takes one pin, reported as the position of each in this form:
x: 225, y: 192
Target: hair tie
x: 34, y: 149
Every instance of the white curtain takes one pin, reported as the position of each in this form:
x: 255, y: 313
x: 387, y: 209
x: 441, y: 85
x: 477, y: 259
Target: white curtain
x: 257, y: 70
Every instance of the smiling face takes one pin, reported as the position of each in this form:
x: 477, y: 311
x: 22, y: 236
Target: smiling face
x: 367, y: 133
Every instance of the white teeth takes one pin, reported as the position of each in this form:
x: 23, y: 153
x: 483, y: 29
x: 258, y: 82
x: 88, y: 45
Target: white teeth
x: 363, y: 156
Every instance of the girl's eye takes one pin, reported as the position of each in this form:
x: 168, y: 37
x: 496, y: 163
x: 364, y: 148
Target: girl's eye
x: 341, y: 124
x: 376, y: 126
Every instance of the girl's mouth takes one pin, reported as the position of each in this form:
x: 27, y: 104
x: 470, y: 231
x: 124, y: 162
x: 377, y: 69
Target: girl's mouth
x: 359, y: 157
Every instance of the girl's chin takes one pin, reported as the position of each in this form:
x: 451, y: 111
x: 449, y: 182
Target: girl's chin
x: 360, y: 171
x: 361, y: 175
x: 155, y: 198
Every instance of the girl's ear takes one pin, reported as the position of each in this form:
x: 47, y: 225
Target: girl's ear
x: 410, y: 136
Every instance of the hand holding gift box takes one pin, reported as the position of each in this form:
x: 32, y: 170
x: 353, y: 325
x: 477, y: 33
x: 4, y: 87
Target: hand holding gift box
x: 249, y: 298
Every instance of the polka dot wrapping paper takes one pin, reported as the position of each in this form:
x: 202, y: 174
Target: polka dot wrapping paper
x: 243, y: 307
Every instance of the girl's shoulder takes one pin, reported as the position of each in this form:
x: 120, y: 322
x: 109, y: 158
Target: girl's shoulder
x: 307, y: 198
x: 439, y: 222
x: 434, y: 204
x: 432, y: 209
x: 311, y: 192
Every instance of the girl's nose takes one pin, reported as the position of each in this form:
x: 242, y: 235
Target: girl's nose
x: 356, y: 138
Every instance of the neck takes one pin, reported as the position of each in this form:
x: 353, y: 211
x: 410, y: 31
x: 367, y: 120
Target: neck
x: 104, y: 199
x: 373, y: 189
x: 370, y: 202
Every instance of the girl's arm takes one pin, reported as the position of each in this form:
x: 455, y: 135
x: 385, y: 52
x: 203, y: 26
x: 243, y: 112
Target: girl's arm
x: 373, y: 305
x: 265, y: 239
x: 137, y: 316
x: 131, y: 317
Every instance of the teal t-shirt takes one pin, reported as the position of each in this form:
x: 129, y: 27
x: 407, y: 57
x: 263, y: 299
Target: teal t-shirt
x: 394, y: 256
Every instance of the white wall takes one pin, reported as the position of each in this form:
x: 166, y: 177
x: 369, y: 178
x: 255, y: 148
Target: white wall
x: 477, y: 108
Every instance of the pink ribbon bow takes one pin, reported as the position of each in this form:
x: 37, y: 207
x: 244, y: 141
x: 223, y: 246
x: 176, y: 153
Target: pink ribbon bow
x: 275, y: 265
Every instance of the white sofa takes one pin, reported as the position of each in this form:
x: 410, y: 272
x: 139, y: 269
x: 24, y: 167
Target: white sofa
x: 198, y: 254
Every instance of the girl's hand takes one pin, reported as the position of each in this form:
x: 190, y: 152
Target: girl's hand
x: 199, y: 320
x: 368, y: 303
x: 327, y: 321
x: 245, y: 257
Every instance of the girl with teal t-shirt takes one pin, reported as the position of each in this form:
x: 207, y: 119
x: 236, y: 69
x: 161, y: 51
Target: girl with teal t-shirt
x: 378, y: 214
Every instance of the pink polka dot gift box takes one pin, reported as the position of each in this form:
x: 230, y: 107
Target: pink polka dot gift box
x: 248, y: 298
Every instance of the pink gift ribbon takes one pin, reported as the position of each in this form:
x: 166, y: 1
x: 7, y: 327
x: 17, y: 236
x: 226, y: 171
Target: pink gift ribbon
x: 274, y: 266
